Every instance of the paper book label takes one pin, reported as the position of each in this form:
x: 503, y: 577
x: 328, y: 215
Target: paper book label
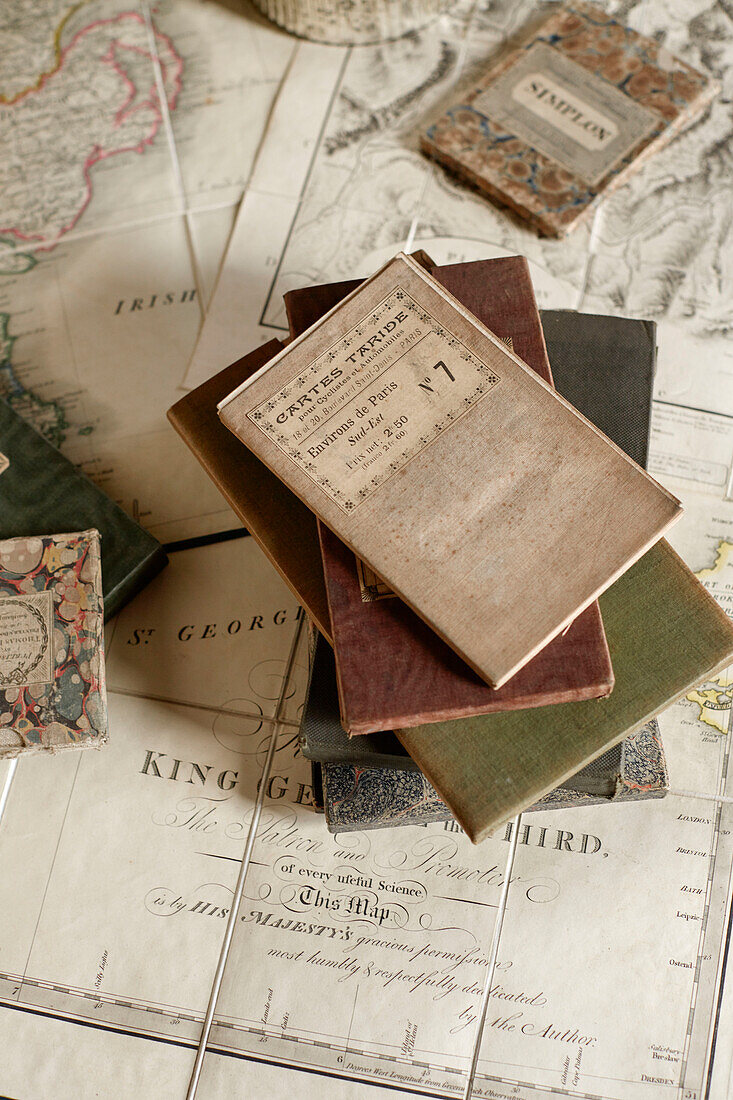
x: 378, y: 397
x: 26, y: 639
x: 566, y: 112
x: 4, y: 462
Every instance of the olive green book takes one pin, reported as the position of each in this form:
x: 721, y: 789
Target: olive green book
x: 666, y: 634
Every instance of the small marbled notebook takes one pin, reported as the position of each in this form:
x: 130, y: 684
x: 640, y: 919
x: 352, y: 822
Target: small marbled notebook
x: 561, y: 121
x: 52, y: 684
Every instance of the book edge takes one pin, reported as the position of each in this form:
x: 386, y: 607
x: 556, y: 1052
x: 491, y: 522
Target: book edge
x: 175, y: 418
x: 478, y: 832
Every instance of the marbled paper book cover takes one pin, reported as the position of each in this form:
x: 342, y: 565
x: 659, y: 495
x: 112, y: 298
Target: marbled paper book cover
x: 52, y: 684
x: 565, y: 118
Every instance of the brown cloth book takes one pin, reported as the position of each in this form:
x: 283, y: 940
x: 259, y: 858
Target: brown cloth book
x: 393, y: 671
x: 283, y: 527
x: 566, y: 118
x: 490, y: 505
x: 281, y: 524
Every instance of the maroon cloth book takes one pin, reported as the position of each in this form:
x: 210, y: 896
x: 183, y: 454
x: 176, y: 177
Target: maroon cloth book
x: 393, y: 670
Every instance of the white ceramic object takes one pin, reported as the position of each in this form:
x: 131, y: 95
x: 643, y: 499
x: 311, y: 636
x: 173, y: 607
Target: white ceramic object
x: 352, y: 22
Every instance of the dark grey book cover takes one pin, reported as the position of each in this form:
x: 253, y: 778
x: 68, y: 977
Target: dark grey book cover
x: 317, y: 784
x: 604, y: 366
x: 322, y: 737
x: 359, y: 798
x: 42, y: 493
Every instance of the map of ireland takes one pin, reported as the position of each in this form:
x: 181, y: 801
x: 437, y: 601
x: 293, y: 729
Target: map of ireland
x: 101, y: 100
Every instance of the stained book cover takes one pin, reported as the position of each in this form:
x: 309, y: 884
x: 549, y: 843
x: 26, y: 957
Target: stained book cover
x: 606, y: 366
x: 666, y: 634
x: 280, y: 523
x: 42, y: 492
x: 631, y: 770
x: 448, y: 466
x: 412, y: 676
x: 52, y: 685
x: 567, y: 117
x: 359, y: 797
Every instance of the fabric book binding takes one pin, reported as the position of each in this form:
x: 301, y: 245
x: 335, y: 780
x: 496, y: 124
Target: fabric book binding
x: 52, y: 684
x: 413, y: 676
x: 448, y: 466
x: 665, y: 633
x: 566, y: 118
x: 322, y: 737
x: 604, y: 366
x: 280, y: 523
x: 631, y: 770
x: 42, y: 492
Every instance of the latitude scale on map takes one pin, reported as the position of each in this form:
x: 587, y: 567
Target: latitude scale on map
x: 178, y: 920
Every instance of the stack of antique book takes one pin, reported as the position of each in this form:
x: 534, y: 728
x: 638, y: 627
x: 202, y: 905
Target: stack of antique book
x: 497, y: 618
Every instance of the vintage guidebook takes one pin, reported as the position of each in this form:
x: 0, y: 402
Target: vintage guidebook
x: 460, y: 478
x: 280, y: 523
x: 51, y: 644
x: 605, y: 365
x: 666, y: 635
x: 567, y: 117
x: 602, y: 365
x: 42, y: 492
x: 634, y: 769
x: 363, y: 796
x: 414, y: 676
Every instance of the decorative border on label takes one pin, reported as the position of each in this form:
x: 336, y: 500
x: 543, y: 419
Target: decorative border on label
x: 346, y: 502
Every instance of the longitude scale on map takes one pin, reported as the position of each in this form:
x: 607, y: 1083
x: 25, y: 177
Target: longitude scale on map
x: 628, y: 1052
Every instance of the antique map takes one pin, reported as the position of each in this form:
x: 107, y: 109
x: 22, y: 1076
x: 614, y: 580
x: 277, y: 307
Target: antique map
x: 358, y: 963
x: 117, y: 194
